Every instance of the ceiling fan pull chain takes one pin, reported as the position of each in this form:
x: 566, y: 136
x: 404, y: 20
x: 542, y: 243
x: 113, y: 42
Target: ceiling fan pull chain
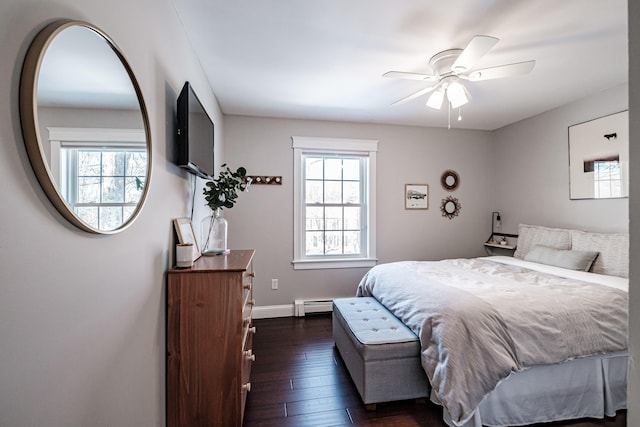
x: 460, y: 114
x: 449, y: 110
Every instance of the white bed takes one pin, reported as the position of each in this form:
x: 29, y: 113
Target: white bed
x: 514, y: 341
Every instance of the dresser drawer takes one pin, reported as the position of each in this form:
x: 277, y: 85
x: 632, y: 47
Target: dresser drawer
x: 247, y: 361
x: 247, y: 302
x: 247, y: 329
x: 248, y: 357
x: 247, y: 280
x: 247, y: 308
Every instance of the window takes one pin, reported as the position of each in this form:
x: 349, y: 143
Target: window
x: 100, y: 173
x: 103, y: 185
x: 334, y: 203
x: 607, y: 179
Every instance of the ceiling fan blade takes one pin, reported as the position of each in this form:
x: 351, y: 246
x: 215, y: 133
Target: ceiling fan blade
x: 408, y: 76
x: 415, y: 95
x: 509, y: 70
x: 476, y: 49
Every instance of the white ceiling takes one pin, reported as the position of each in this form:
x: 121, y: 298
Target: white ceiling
x: 325, y: 59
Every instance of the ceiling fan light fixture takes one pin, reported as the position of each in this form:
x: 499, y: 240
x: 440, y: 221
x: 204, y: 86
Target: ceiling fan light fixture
x: 457, y: 94
x: 436, y: 99
x: 451, y: 67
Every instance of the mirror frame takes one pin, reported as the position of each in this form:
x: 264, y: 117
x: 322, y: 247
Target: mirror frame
x: 445, y: 177
x: 30, y: 124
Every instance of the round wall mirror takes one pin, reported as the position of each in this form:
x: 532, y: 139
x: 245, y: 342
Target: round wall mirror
x: 450, y: 180
x: 85, y: 126
x: 450, y: 207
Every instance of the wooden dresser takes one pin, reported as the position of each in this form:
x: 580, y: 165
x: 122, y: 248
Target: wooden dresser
x: 209, y: 337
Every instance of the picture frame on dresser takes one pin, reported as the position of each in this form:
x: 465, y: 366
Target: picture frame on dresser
x: 186, y: 234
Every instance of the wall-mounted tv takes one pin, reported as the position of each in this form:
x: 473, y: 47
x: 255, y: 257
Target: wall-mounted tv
x: 194, y: 148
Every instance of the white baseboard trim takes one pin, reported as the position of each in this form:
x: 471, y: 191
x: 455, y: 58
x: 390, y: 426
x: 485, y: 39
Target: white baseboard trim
x: 271, y: 311
x: 285, y: 310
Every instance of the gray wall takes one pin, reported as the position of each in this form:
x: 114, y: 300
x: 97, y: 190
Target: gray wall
x: 82, y: 316
x: 520, y: 170
x: 84, y: 118
x: 531, y: 174
x: 263, y: 217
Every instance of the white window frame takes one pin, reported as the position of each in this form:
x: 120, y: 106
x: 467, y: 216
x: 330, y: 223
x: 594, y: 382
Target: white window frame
x: 108, y: 138
x: 337, y: 146
x: 59, y: 136
x: 614, y: 174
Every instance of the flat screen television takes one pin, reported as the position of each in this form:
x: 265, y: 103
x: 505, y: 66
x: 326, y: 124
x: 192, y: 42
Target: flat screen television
x: 194, y: 135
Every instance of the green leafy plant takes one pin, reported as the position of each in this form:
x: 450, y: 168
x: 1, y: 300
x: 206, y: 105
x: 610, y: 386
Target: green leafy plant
x: 222, y: 192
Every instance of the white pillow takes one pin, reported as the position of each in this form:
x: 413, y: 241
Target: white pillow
x: 565, y: 258
x: 535, y: 235
x: 613, y: 248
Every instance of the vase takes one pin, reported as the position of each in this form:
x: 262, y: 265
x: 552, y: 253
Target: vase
x: 214, y: 232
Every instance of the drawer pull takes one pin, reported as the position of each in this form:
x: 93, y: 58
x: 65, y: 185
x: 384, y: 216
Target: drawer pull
x: 252, y: 274
x: 252, y: 329
x: 247, y: 286
x: 246, y: 387
x: 249, y: 355
x: 247, y: 321
x: 251, y: 302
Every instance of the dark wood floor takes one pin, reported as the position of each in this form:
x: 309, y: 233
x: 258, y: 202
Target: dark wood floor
x: 299, y: 380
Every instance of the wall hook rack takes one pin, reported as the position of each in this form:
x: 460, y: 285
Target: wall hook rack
x: 265, y: 179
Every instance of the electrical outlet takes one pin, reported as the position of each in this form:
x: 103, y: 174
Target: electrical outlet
x: 274, y: 283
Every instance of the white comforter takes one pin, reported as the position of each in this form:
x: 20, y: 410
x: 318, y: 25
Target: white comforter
x: 481, y: 319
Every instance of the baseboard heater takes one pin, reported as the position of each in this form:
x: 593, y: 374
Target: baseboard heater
x: 302, y: 307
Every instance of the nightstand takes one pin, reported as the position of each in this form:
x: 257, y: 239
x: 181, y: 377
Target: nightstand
x: 493, y: 245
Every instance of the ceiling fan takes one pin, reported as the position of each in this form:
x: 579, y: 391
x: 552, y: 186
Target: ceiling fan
x: 452, y: 66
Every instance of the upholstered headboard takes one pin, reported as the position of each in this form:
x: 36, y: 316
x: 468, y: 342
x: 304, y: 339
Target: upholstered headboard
x: 612, y: 248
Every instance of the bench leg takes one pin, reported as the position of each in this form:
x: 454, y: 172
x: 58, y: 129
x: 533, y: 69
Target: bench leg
x: 370, y: 406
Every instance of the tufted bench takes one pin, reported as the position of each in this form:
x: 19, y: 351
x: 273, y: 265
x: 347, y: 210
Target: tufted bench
x: 381, y: 353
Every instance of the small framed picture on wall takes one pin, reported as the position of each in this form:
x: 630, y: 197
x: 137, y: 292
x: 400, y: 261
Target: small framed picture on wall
x: 416, y: 196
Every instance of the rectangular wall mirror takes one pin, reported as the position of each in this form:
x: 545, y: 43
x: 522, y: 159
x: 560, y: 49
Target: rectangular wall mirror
x: 599, y: 158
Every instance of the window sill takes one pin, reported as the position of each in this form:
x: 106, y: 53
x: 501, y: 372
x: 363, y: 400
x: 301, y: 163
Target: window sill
x: 333, y: 263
